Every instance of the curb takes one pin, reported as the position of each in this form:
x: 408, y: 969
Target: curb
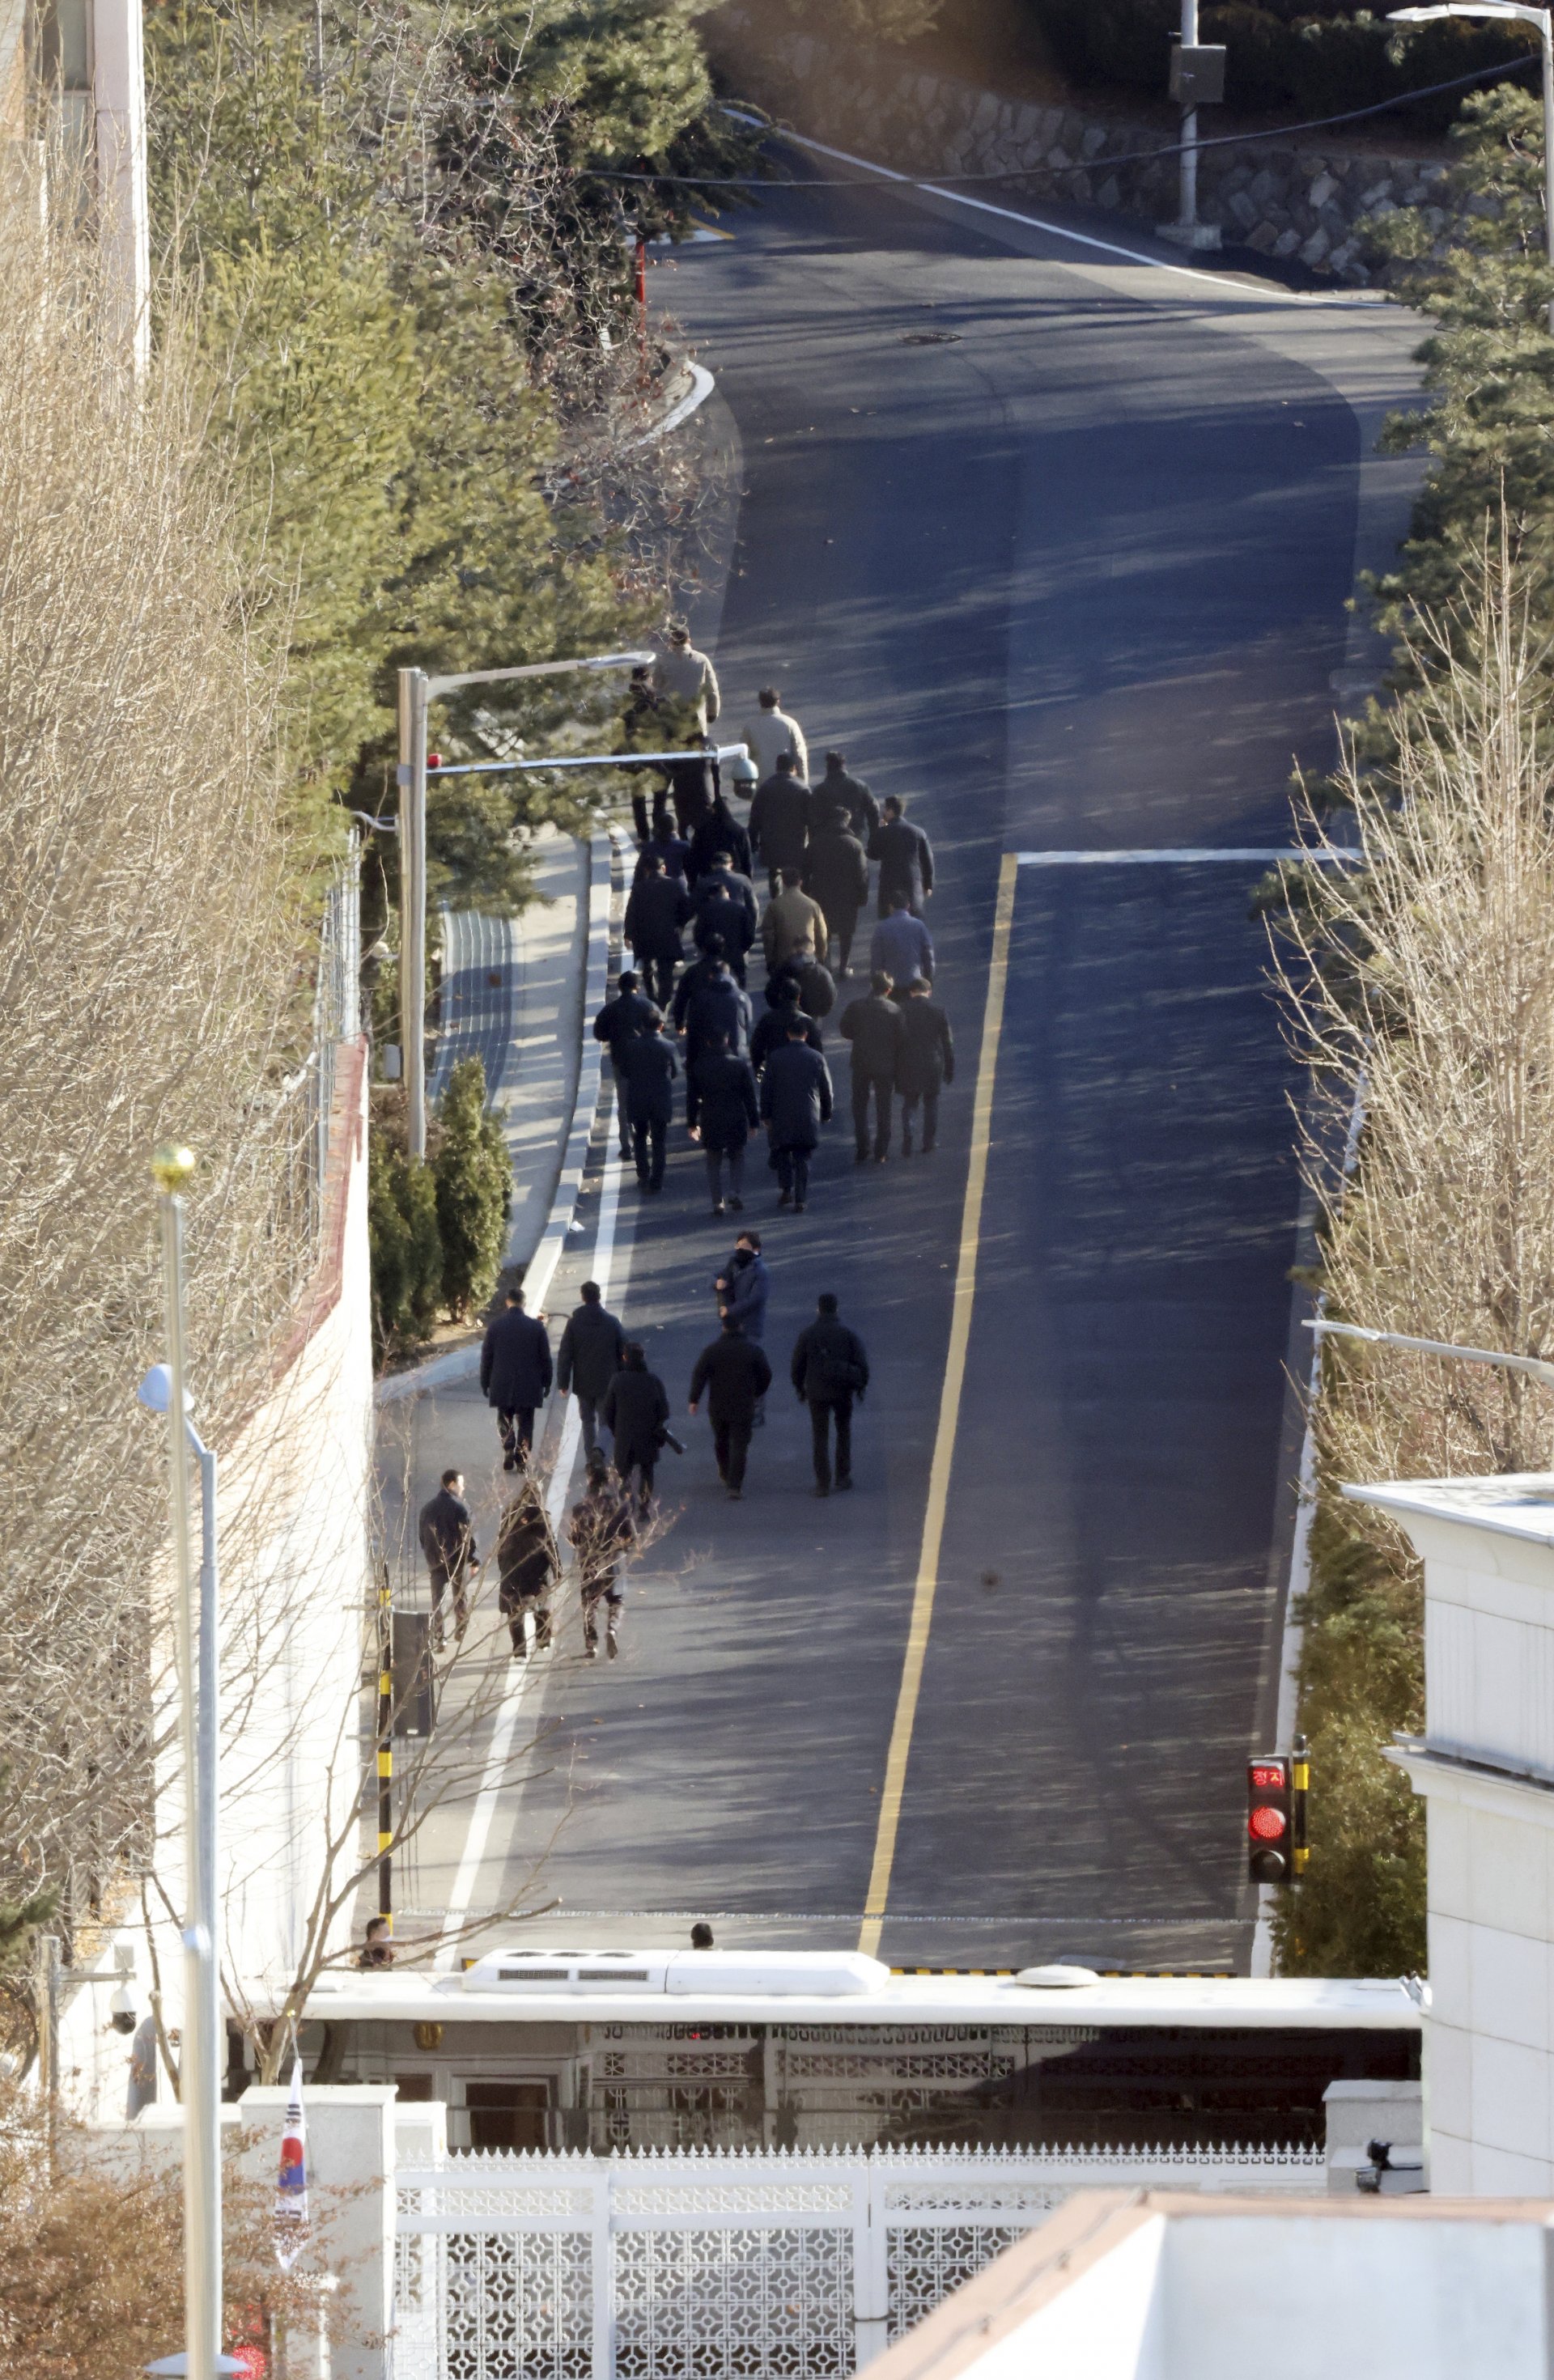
x: 701, y: 387
x: 462, y: 1363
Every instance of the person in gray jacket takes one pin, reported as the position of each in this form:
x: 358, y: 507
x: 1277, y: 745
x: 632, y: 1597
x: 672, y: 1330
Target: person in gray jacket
x: 589, y: 1357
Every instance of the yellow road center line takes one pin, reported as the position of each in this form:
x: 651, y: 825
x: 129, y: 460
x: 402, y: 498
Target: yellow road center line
x: 949, y: 1417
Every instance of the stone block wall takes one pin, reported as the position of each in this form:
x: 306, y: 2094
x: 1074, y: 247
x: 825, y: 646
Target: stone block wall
x: 1278, y: 199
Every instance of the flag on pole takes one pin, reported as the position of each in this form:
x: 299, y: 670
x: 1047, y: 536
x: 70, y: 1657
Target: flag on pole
x: 291, y: 2187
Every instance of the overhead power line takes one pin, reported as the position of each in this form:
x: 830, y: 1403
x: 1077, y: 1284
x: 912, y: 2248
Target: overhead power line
x: 1082, y: 165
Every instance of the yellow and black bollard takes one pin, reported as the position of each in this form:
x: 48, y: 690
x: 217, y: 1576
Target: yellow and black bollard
x: 385, y: 1748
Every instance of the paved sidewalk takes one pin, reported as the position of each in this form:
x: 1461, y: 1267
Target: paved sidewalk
x: 528, y: 1026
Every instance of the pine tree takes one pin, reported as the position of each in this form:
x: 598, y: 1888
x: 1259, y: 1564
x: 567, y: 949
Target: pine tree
x: 474, y: 1177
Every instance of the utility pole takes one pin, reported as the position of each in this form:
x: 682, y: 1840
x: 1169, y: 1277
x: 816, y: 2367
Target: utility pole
x: 1197, y: 79
x: 118, y: 100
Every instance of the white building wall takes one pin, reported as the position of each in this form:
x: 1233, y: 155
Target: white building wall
x: 1486, y: 1766
x: 295, y: 1586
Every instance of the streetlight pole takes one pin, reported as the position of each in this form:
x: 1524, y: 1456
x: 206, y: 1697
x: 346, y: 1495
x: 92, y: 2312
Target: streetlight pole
x: 417, y: 691
x: 195, y: 1648
x: 1189, y: 168
x: 1511, y: 12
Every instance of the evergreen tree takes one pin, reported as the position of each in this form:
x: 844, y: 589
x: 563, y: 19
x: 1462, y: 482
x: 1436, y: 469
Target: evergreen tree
x: 474, y: 1177
x: 406, y: 1247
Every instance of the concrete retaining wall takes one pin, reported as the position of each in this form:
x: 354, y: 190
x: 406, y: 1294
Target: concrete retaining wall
x: 1282, y: 200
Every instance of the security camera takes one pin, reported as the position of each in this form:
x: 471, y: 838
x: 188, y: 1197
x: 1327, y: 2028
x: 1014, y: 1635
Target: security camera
x: 122, y: 2014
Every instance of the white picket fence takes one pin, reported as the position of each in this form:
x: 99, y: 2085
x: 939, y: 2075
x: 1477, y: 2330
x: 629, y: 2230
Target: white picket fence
x: 765, y: 2265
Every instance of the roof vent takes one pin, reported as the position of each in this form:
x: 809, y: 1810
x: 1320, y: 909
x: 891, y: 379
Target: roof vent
x: 1055, y: 1979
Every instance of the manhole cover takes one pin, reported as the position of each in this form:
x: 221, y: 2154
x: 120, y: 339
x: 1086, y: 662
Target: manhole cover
x: 927, y: 338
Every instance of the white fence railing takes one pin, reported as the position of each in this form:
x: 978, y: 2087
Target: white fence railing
x: 782, y: 2265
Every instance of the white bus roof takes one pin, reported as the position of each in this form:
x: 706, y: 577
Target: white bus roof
x: 536, y: 1985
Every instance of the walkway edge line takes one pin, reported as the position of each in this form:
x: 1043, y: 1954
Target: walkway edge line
x: 949, y: 1417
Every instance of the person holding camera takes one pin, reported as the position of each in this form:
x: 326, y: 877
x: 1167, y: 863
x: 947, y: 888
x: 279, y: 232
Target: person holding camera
x: 635, y: 1412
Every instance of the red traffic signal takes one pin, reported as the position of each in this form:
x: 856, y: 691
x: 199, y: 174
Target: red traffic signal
x: 435, y: 759
x: 1269, y: 1818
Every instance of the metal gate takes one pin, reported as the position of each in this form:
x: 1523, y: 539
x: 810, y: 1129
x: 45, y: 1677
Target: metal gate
x: 778, y: 2266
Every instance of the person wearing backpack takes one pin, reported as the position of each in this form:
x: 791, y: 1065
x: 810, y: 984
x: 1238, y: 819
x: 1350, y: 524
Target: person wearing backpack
x: 829, y: 1370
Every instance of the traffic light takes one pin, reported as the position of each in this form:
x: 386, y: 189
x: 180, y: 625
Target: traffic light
x: 1269, y: 1818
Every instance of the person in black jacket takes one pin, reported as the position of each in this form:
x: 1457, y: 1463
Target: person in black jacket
x: 657, y: 913
x: 815, y: 984
x: 527, y: 1564
x: 716, y: 1005
x: 515, y: 1375
x: 647, y: 1067
x: 780, y: 821
x: 829, y: 1370
x: 733, y: 1375
x: 836, y: 875
x: 721, y: 916
x: 844, y: 801
x: 719, y: 831
x: 873, y: 1027
x: 927, y: 1060
x: 726, y: 1114
x: 673, y: 849
x: 795, y: 1100
x: 636, y: 1413
x: 905, y: 857
x: 720, y: 881
x: 618, y: 1021
x: 447, y: 1533
x: 771, y: 1030
x: 588, y: 1358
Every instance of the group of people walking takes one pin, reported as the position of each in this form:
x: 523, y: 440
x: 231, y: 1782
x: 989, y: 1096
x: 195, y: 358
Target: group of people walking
x: 689, y: 1015
x: 747, y: 1066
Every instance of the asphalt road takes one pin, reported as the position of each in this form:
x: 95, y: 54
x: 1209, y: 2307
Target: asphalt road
x: 1070, y: 575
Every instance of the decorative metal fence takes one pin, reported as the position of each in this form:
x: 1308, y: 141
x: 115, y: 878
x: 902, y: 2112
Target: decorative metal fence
x: 780, y: 2265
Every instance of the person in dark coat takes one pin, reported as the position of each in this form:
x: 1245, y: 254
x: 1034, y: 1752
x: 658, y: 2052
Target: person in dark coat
x: 603, y: 1531
x: 447, y: 1533
x: 733, y: 1375
x: 721, y: 881
x: 695, y: 785
x: 780, y: 821
x: 527, y: 1564
x: 635, y: 1413
x: 672, y: 848
x: 742, y: 1287
x: 905, y: 857
x: 816, y: 985
x: 839, y: 798
x: 657, y: 913
x: 927, y: 1061
x: 719, y: 831
x: 723, y: 916
x: 829, y: 1370
x: 515, y: 1375
x: 772, y: 1028
x: 836, y: 875
x: 647, y: 1066
x: 726, y: 1114
x: 795, y: 1100
x: 873, y: 1027
x: 630, y: 1013
x: 588, y: 1358
x: 716, y: 1007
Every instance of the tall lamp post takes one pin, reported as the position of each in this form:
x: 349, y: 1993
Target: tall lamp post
x: 1514, y: 12
x: 417, y: 691
x: 163, y: 1389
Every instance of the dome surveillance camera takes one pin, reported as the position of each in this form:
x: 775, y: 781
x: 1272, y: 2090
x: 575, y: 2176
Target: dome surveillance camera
x: 121, y: 2010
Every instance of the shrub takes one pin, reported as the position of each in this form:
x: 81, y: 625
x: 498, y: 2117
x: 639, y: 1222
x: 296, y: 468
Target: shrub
x: 474, y: 1179
x: 406, y: 1247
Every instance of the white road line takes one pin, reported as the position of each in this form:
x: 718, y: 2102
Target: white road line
x: 1186, y: 857
x: 1221, y: 281
x: 493, y: 1776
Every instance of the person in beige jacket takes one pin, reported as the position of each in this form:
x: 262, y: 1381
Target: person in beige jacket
x: 793, y: 922
x: 772, y: 732
x: 684, y: 678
